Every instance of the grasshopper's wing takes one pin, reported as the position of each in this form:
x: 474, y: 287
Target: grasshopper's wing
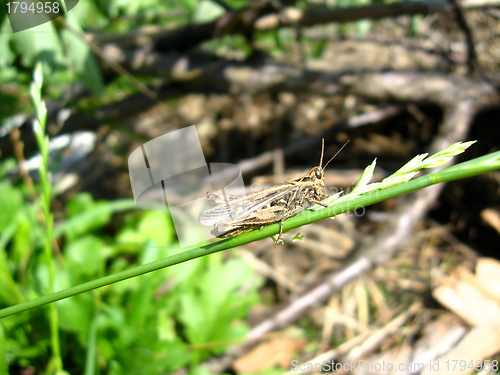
x: 262, y: 217
x: 241, y: 207
x: 216, y: 198
x: 264, y: 214
x: 222, y: 212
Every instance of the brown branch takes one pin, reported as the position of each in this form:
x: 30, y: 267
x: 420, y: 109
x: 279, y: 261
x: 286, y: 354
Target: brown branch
x: 472, y: 60
x: 238, y: 22
x: 432, y: 88
x: 116, y: 67
x: 263, y: 17
x: 320, y: 15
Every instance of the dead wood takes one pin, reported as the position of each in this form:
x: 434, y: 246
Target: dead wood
x: 321, y: 15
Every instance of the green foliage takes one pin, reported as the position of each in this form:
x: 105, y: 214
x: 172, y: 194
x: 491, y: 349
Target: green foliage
x: 143, y: 325
x: 12, y: 226
x: 84, y: 64
x: 416, y: 22
x: 318, y: 48
x: 44, y: 198
x: 206, y: 11
x: 11, y: 205
x: 40, y: 43
x: 45, y: 43
x: 6, y: 56
x: 209, y: 308
x: 85, y: 215
x: 4, y: 368
x: 154, y: 225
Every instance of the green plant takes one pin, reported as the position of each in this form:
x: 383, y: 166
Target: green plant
x: 184, y: 310
x: 39, y: 126
x: 157, y: 323
x: 467, y: 169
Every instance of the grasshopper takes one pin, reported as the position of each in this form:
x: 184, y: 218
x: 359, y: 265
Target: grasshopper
x: 240, y: 214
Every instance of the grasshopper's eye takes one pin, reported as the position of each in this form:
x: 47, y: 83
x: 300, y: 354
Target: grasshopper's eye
x: 319, y: 174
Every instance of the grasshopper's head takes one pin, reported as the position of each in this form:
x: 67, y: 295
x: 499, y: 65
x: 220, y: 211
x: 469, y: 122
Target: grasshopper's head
x: 317, y: 177
x: 317, y: 174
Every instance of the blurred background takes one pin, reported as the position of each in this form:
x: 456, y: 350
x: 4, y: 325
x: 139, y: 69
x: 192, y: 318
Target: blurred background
x: 264, y: 82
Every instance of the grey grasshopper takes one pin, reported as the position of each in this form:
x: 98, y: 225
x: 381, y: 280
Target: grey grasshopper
x: 239, y: 214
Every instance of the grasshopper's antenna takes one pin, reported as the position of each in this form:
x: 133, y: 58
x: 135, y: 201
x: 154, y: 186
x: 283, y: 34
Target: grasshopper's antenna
x: 322, y: 150
x: 333, y: 157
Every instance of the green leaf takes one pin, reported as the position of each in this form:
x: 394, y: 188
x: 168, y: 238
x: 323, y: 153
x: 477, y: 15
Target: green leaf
x: 9, y: 291
x: 318, y: 48
x: 23, y: 242
x: 6, y: 55
x: 223, y: 281
x: 88, y: 14
x: 37, y: 83
x: 4, y: 366
x: 191, y: 5
x: 148, y: 355
x: 203, y: 370
x: 105, y: 7
x: 142, y: 302
x: 207, y: 11
x: 277, y: 241
x: 366, y: 176
x: 80, y: 203
x: 166, y: 325
x: 209, y: 312
x: 87, y: 215
x: 114, y: 367
x: 11, y: 201
x: 415, y: 23
x: 363, y: 27
x: 39, y: 43
x: 128, y: 7
x: 75, y: 314
x: 139, y: 348
x: 192, y: 316
x: 85, y: 255
x: 187, y: 275
x: 298, y: 237
x: 91, y: 355
x: 18, y: 342
x: 82, y: 60
x: 153, y: 225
